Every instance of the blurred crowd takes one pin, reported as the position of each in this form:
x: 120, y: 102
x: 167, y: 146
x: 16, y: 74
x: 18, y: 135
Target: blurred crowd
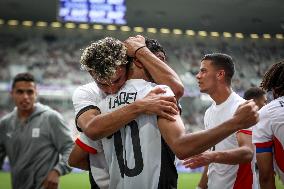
x: 54, y: 60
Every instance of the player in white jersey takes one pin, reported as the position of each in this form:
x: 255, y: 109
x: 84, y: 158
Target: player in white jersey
x: 268, y: 134
x: 137, y: 154
x: 88, y: 96
x: 172, y: 131
x: 259, y: 97
x: 229, y: 162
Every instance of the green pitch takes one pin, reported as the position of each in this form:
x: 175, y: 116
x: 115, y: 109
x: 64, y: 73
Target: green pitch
x: 80, y: 180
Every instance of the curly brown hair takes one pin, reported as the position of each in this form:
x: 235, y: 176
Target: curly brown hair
x: 102, y: 57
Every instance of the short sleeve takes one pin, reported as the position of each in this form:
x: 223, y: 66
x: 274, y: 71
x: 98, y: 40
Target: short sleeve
x: 168, y: 90
x: 262, y: 135
x: 84, y: 96
x: 89, y: 145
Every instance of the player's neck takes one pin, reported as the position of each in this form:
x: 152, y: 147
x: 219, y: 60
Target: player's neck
x: 137, y: 74
x: 24, y: 114
x: 221, y: 94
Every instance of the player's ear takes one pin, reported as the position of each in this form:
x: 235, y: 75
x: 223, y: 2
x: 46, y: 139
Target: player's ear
x: 221, y: 74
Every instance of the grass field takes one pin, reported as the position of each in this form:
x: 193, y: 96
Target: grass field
x: 80, y: 181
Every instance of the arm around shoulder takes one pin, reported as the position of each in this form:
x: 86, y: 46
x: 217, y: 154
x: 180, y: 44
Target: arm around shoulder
x: 79, y: 158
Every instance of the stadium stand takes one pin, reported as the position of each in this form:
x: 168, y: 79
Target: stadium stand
x: 52, y: 55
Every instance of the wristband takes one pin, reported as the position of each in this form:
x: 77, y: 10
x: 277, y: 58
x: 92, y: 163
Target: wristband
x: 138, y: 49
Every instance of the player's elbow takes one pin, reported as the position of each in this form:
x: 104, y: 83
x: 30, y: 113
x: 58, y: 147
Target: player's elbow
x: 93, y: 133
x: 248, y: 155
x: 72, y: 162
x: 178, y: 90
x: 179, y: 150
x: 184, y: 153
x: 181, y: 155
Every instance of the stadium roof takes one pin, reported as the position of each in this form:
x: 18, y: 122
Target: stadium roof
x: 247, y: 16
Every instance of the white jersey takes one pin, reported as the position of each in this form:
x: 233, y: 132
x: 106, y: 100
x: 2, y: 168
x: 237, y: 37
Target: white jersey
x: 224, y: 175
x: 268, y: 133
x: 98, y: 165
x: 136, y: 155
x: 86, y: 97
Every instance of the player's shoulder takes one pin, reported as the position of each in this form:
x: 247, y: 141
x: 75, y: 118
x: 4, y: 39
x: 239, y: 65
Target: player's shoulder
x: 273, y: 107
x: 208, y: 111
x: 237, y: 99
x: 47, y: 111
x: 7, y: 118
x: 138, y: 84
x: 276, y: 103
x: 87, y: 90
x: 89, y: 87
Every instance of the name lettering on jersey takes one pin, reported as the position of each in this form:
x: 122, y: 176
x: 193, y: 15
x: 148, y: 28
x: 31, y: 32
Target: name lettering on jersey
x: 122, y: 98
x: 281, y: 103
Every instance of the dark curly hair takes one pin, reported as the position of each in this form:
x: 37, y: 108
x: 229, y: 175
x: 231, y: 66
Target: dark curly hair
x: 274, y: 79
x: 154, y: 46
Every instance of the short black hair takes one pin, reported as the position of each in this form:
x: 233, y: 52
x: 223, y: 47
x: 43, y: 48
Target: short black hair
x: 154, y: 46
x: 23, y: 77
x: 224, y: 62
x: 253, y: 93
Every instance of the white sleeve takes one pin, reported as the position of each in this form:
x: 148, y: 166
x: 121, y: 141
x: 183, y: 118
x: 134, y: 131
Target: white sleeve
x: 85, y: 96
x: 205, y: 120
x: 262, y: 134
x: 168, y: 90
x: 89, y: 145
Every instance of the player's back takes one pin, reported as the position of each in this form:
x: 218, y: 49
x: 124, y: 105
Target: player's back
x: 136, y: 154
x: 270, y: 132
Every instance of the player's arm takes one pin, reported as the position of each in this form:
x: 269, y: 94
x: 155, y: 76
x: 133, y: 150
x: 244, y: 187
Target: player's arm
x: 159, y: 70
x: 97, y: 126
x: 242, y: 154
x: 204, y: 179
x: 60, y: 136
x: 79, y: 158
x: 266, y: 172
x: 263, y: 141
x: 84, y: 146
x: 186, y: 145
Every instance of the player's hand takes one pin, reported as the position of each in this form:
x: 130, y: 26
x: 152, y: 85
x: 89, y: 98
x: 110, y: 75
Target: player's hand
x: 200, y: 160
x: 155, y: 103
x: 133, y: 43
x: 52, y: 180
x: 246, y: 115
